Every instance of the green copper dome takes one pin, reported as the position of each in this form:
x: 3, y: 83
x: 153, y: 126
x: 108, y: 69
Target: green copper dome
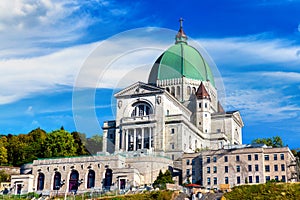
x: 181, y: 60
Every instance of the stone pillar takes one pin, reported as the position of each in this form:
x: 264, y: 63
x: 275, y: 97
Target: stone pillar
x: 143, y: 138
x: 104, y: 146
x: 117, y: 140
x: 134, y: 139
x: 123, y: 140
x: 150, y: 136
x: 126, y: 139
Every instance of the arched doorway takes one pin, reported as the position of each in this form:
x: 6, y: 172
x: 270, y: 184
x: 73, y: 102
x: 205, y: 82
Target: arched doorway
x: 41, y: 181
x: 57, y: 181
x: 73, y: 181
x: 108, y: 179
x: 91, y: 179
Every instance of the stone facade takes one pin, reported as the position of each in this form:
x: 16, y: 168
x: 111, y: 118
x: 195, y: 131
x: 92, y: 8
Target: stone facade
x: 239, y: 165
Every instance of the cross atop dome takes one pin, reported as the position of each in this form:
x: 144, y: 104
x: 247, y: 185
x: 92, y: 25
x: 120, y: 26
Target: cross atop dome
x: 180, y: 21
x: 181, y: 36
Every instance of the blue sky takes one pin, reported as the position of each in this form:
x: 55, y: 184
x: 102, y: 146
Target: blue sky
x: 46, y: 45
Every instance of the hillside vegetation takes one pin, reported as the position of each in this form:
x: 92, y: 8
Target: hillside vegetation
x: 272, y: 191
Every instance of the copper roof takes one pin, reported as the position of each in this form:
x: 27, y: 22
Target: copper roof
x: 202, y: 92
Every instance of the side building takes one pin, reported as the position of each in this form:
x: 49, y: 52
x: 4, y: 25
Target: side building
x: 237, y: 165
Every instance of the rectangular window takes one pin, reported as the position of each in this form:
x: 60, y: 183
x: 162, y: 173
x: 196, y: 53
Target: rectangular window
x: 173, y: 146
x: 215, y: 169
x: 226, y: 169
x: 267, y: 157
x: 238, y: 180
x: 250, y: 179
x: 267, y: 168
x: 214, y: 159
x: 256, y: 168
x: 225, y: 158
x: 249, y: 168
x: 238, y: 168
x: 237, y: 158
x: 226, y: 180
x: 275, y: 156
x: 281, y: 156
x: 208, y: 181
x: 276, y: 178
x: 187, y: 172
x: 257, y: 179
x: 267, y: 178
x: 199, y: 105
x: 193, y: 172
x: 187, y: 162
x: 208, y: 159
x: 282, y: 167
x: 275, y: 168
x: 205, y: 105
x: 283, y: 178
x: 215, y: 181
x: 255, y: 156
x: 249, y: 157
x: 208, y: 170
x: 193, y: 162
x: 172, y: 130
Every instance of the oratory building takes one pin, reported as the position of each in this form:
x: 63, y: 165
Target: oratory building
x: 177, y: 111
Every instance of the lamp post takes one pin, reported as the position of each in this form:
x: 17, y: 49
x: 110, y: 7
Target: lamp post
x: 57, y: 187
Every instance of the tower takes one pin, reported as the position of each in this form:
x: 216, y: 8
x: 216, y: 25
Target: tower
x: 203, y: 109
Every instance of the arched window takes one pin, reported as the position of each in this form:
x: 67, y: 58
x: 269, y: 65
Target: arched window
x: 108, y: 179
x: 194, y: 90
x: 41, y: 180
x: 57, y: 180
x: 188, y: 90
x: 73, y: 182
x: 91, y: 179
x: 173, y: 91
x: 178, y: 91
x: 141, y: 109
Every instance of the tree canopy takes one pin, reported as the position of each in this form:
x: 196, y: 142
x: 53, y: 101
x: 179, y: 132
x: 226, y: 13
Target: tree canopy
x: 162, y: 179
x: 275, y: 141
x: 16, y: 150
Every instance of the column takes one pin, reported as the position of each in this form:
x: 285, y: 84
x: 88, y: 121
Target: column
x: 150, y: 135
x: 126, y: 140
x: 117, y: 140
x: 104, y: 145
x: 142, y: 138
x: 134, y: 139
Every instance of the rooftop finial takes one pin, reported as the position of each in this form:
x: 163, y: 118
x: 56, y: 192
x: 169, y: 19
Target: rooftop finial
x: 180, y: 21
x: 180, y: 37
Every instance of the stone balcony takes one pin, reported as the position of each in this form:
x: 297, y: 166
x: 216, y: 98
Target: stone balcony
x: 138, y: 119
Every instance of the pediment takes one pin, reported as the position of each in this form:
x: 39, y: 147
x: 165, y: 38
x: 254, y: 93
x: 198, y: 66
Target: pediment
x: 238, y: 118
x: 138, y: 89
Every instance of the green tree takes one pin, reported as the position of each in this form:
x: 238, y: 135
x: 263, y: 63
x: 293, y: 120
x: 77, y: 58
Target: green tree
x: 162, y: 179
x: 275, y: 141
x: 59, y: 143
x: 3, y: 150
x: 16, y: 150
x: 80, y: 143
x: 4, y: 177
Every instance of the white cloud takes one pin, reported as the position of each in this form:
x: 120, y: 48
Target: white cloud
x: 265, y: 105
x: 252, y: 50
x: 22, y: 77
x: 283, y: 76
x: 29, y: 28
